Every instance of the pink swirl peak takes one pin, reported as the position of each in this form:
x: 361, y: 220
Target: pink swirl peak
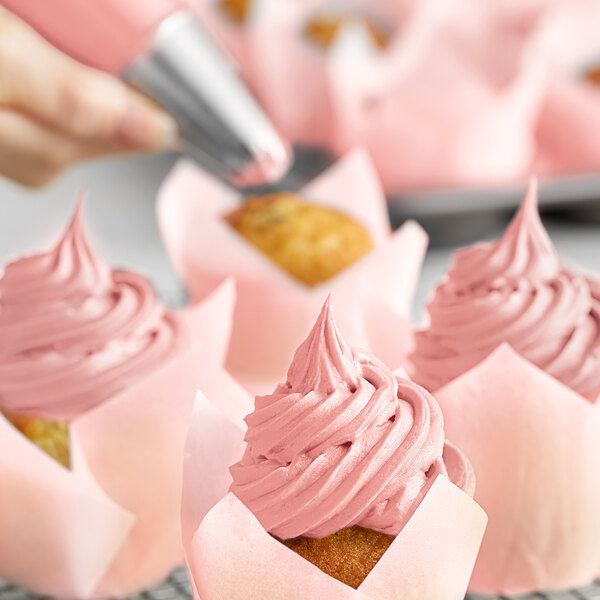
x: 323, y: 362
x: 517, y: 291
x: 343, y: 442
x: 525, y: 250
x: 74, y: 332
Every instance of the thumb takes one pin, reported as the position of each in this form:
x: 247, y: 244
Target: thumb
x: 78, y: 101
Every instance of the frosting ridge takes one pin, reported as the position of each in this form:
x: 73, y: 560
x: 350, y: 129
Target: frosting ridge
x: 517, y: 291
x: 74, y: 331
x: 342, y: 442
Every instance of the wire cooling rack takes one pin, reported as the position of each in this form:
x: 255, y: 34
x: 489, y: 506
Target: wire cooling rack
x: 177, y: 587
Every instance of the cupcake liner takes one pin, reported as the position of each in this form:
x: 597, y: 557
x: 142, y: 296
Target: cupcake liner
x: 288, y: 73
x: 230, y: 555
x: 535, y: 448
x: 60, y: 530
x: 220, y: 431
x: 210, y: 322
x: 110, y: 525
x: 568, y: 130
x: 190, y: 211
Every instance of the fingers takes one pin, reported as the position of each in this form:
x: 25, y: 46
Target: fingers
x: 77, y: 101
x: 33, y: 154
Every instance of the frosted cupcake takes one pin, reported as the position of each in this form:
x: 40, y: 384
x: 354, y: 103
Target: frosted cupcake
x: 340, y: 461
x: 513, y: 351
x: 76, y: 332
x: 86, y: 356
x: 517, y: 291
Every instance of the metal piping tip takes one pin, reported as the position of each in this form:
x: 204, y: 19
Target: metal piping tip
x: 268, y: 167
x: 222, y: 126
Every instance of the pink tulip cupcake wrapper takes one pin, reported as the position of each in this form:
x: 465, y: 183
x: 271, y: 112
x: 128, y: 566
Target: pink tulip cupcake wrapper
x: 535, y: 447
x: 191, y: 210
x: 230, y: 555
x: 107, y: 527
x: 532, y: 433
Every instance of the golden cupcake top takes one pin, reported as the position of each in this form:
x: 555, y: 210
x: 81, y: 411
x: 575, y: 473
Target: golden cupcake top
x: 48, y: 435
x: 347, y: 555
x: 311, y: 243
x: 237, y: 11
x: 593, y: 75
x: 323, y: 30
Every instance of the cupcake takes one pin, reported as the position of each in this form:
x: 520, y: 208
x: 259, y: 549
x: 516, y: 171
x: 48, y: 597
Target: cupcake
x: 512, y: 350
x: 514, y: 290
x: 95, y: 376
x: 340, y: 461
x: 286, y: 252
x: 340, y: 455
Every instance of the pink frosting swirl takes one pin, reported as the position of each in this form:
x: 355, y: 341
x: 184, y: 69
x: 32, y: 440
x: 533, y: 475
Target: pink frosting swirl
x: 517, y: 291
x: 74, y: 332
x: 343, y: 442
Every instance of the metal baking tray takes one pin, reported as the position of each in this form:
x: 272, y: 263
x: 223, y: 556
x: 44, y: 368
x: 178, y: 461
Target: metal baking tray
x: 461, y: 215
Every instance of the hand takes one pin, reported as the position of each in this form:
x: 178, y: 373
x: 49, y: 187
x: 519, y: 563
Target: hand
x: 55, y: 112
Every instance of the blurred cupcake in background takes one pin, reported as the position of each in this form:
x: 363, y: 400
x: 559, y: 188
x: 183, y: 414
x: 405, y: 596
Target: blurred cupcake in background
x: 422, y: 86
x: 97, y: 374
x: 429, y: 111
x: 286, y: 252
x: 292, y: 82
x: 511, y: 350
x: 343, y: 480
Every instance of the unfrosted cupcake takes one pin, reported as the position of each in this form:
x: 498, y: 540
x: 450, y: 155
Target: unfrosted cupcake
x: 310, y: 242
x: 515, y: 290
x: 286, y: 252
x: 339, y: 457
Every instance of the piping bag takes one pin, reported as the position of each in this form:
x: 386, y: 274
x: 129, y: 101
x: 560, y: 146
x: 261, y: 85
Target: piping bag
x: 160, y: 48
